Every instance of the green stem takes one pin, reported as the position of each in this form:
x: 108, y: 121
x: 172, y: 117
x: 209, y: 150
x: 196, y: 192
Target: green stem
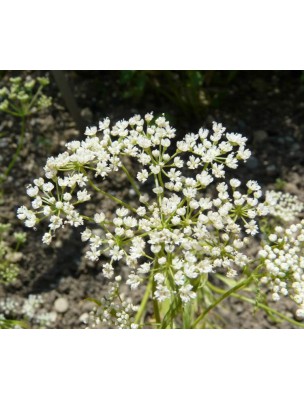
x: 155, y: 304
x: 156, y: 312
x: 220, y: 299
x: 187, y: 316
x: 259, y: 305
x: 143, y: 304
x: 122, y: 203
x: 34, y: 99
x: 131, y: 180
x: 161, y: 180
x: 12, y: 113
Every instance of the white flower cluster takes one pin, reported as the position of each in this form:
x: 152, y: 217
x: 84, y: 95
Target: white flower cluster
x: 283, y: 258
x: 283, y: 205
x: 29, y: 309
x: 113, y: 311
x: 31, y: 305
x: 180, y: 230
x: 8, y: 305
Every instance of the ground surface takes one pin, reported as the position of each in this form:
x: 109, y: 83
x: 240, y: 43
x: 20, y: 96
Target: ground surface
x: 267, y: 109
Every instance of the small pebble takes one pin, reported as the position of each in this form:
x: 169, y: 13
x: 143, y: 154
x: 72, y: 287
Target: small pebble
x: 84, y: 318
x: 61, y: 305
x: 58, y: 244
x: 239, y: 308
x: 295, y: 147
x: 291, y: 188
x: 252, y: 163
x: 260, y: 136
x: 271, y: 169
x: 87, y: 114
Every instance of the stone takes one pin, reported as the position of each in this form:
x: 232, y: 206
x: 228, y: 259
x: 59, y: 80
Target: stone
x: 271, y: 170
x: 70, y: 133
x: 252, y: 163
x: 58, y: 244
x: 291, y: 188
x: 46, y: 123
x: 61, y: 305
x: 295, y: 147
x: 260, y: 136
x: 87, y: 114
x: 84, y: 318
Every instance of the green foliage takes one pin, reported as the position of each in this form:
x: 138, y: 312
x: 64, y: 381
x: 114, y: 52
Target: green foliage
x: 134, y: 83
x: 24, y: 96
x: 26, y: 313
x: 9, y: 256
x: 21, y: 98
x: 11, y: 324
x: 279, y: 184
x: 189, y: 92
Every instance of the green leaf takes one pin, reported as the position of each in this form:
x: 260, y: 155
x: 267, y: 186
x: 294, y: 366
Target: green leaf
x: 171, y: 314
x: 97, y: 302
x: 228, y: 281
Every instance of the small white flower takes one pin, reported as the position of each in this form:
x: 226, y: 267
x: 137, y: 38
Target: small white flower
x: 83, y: 195
x: 99, y: 217
x: 149, y: 117
x: 108, y: 270
x: 93, y: 254
x: 234, y: 183
x: 37, y: 203
x: 56, y: 222
x: 161, y: 293
x: 165, y: 142
x: 47, y: 210
x: 47, y: 187
x: 158, y: 190
x: 253, y: 185
x: 116, y: 253
x: 122, y: 212
x: 144, y: 268
x: 251, y: 228
x: 86, y: 235
x: 178, y: 162
x: 134, y: 281
x: 47, y: 238
x: 39, y: 182
x: 186, y: 294
x: 175, y: 220
x: 59, y: 205
x: 159, y: 278
x: 67, y: 197
x: 141, y: 211
x: 104, y: 124
x: 130, y: 222
x: 32, y: 191
x: 273, y: 237
x: 193, y: 162
x: 143, y: 175
x: 179, y: 278
x: 90, y: 131
x: 155, y: 169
